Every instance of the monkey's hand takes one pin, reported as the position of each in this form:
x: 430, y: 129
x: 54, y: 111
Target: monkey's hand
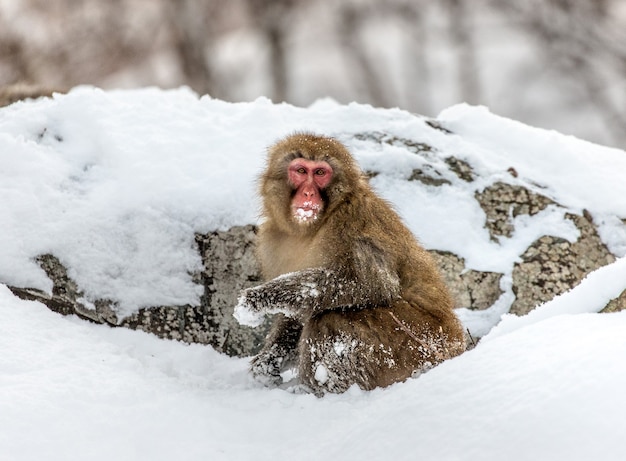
x: 245, y: 314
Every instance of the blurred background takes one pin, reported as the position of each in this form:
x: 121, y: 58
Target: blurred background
x: 558, y: 64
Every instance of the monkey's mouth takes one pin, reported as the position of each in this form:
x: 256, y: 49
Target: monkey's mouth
x: 308, y: 212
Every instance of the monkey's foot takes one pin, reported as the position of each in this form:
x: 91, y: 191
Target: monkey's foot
x: 298, y: 388
x: 266, y: 373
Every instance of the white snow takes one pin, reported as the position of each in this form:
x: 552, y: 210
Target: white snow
x: 245, y: 316
x: 116, y: 183
x: 307, y: 214
x: 70, y: 390
x: 321, y: 374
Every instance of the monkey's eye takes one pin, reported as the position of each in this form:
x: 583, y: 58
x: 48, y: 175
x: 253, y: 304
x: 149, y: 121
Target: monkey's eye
x: 301, y: 170
x: 320, y: 172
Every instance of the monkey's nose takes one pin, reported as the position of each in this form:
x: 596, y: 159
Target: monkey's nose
x: 308, y: 192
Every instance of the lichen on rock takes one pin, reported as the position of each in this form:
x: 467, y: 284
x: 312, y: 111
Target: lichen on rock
x: 553, y: 265
x: 502, y: 202
x: 472, y: 289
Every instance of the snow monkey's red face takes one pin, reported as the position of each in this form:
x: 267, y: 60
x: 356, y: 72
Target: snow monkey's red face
x: 308, y: 178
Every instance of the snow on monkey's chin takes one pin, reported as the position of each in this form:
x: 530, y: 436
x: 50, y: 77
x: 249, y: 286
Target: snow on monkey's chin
x: 308, y: 212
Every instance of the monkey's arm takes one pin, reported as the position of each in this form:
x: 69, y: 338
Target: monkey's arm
x: 303, y: 294
x: 297, y: 294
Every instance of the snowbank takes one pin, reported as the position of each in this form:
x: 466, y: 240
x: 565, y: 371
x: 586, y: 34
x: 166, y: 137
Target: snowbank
x: 70, y: 390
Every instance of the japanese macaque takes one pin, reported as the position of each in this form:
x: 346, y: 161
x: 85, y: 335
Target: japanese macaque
x: 359, y: 301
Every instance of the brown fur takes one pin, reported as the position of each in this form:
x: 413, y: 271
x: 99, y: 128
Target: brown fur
x: 363, y: 303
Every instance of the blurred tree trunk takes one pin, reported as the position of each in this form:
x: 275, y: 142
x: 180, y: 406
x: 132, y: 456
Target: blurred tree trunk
x: 352, y: 18
x: 75, y: 42
x: 192, y: 31
x: 14, y: 51
x: 463, y: 41
x: 273, y: 18
x: 419, y: 79
x: 275, y: 36
x: 583, y: 41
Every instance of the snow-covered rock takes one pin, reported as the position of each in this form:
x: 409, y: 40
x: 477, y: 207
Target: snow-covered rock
x: 138, y: 207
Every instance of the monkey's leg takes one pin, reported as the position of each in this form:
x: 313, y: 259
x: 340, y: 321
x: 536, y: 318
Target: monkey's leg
x: 372, y: 347
x: 279, y: 351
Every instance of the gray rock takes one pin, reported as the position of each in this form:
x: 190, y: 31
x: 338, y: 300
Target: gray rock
x: 472, y: 289
x: 229, y: 267
x: 461, y: 168
x: 502, y: 202
x: 66, y: 297
x: 617, y: 304
x: 552, y: 265
x: 429, y: 178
